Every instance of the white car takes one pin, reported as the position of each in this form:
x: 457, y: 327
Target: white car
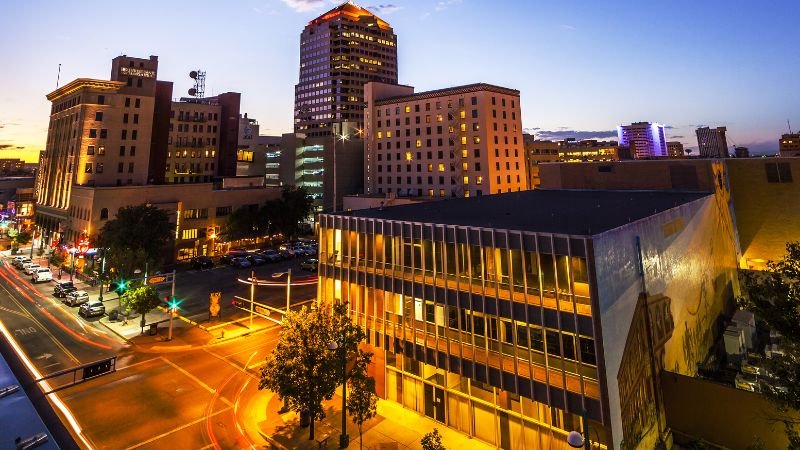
x: 30, y: 268
x: 76, y: 298
x: 42, y: 274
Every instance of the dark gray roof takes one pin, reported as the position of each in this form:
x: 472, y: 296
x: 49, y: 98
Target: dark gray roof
x: 575, y: 212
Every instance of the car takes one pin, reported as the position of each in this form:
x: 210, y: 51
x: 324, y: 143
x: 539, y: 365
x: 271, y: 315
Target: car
x: 63, y: 288
x: 286, y: 251
x: 299, y: 250
x: 29, y: 268
x: 256, y: 259
x: 42, y: 274
x: 92, y: 308
x: 271, y: 255
x: 240, y: 263
x: 76, y: 298
x: 19, y: 261
x: 202, y: 262
x: 310, y: 251
x: 231, y: 255
x: 310, y: 264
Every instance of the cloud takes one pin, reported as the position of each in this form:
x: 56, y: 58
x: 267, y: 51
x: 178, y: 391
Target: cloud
x: 445, y: 4
x: 677, y: 137
x: 564, y: 133
x: 384, y: 10
x: 567, y: 27
x: 304, y: 5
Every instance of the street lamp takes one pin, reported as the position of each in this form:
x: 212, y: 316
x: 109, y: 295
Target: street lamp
x: 344, y: 439
x: 288, y: 274
x: 102, y: 273
x: 72, y: 252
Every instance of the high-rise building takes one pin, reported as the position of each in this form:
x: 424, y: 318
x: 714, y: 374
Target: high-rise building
x: 340, y: 51
x: 789, y: 144
x: 675, y: 149
x: 644, y: 139
x: 456, y: 142
x: 711, y: 142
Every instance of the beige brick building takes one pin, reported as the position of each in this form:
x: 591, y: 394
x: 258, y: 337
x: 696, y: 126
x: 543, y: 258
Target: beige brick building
x: 456, y: 142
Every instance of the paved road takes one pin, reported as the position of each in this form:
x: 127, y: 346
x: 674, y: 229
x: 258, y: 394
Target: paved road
x: 158, y: 398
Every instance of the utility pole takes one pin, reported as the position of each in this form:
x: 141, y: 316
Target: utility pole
x: 288, y: 289
x: 102, y: 273
x: 252, y: 295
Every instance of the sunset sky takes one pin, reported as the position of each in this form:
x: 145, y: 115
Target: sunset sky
x: 583, y: 67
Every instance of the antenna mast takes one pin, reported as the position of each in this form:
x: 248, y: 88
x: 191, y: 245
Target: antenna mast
x: 199, y: 89
x: 58, y: 78
x: 787, y: 120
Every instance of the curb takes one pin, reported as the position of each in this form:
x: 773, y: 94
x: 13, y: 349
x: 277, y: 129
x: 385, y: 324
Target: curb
x: 115, y: 332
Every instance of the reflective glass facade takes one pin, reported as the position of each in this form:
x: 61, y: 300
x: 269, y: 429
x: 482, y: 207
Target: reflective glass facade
x: 489, y: 331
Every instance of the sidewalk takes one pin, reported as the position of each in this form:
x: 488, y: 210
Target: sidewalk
x: 394, y: 428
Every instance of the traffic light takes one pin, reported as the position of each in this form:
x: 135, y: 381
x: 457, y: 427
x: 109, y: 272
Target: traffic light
x: 174, y: 305
x: 120, y: 286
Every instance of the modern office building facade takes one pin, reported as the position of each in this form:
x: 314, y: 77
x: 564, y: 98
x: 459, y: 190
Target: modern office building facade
x: 644, y: 139
x: 340, y: 51
x: 789, y: 145
x: 711, y: 142
x: 508, y: 316
x: 455, y: 142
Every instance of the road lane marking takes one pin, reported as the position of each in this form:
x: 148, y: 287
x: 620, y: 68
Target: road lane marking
x: 41, y: 326
x: 13, y: 311
x: 230, y: 363
x: 138, y: 363
x: 174, y: 430
x: 193, y: 378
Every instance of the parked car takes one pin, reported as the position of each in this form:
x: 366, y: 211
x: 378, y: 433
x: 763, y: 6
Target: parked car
x: 19, y: 261
x: 63, y: 288
x: 271, y: 255
x: 231, y: 255
x: 76, y: 298
x: 310, y: 250
x: 202, y: 262
x: 240, y: 263
x: 42, y: 274
x: 310, y: 264
x: 256, y: 259
x: 92, y: 308
x: 29, y: 268
x: 286, y: 251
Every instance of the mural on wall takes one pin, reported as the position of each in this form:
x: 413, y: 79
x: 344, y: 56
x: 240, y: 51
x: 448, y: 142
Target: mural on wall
x: 689, y: 261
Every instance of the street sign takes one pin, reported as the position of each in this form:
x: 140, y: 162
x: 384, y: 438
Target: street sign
x: 158, y: 279
x: 213, y: 306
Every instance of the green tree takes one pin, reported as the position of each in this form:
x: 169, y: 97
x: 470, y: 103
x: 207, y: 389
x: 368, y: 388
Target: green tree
x: 294, y: 206
x: 774, y: 297
x: 244, y: 223
x: 141, y: 300
x: 432, y: 441
x: 23, y: 238
x: 302, y: 369
x: 136, y: 238
x: 362, y: 403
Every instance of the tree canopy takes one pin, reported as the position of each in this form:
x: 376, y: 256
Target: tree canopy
x: 141, y: 300
x: 280, y: 215
x: 774, y: 297
x: 137, y: 236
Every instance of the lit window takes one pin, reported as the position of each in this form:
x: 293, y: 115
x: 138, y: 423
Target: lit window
x: 388, y: 134
x: 419, y: 143
x: 438, y: 117
x: 476, y: 140
x: 408, y: 155
x: 380, y: 134
x: 463, y: 114
x: 466, y: 180
x: 408, y: 109
x: 466, y: 194
x: 189, y: 234
x: 463, y: 127
x: 441, y: 167
x: 479, y: 180
x: 441, y: 192
x: 464, y: 154
x: 430, y: 192
x: 464, y: 140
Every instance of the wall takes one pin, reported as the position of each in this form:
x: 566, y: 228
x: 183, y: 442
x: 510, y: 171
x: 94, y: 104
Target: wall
x: 689, y: 261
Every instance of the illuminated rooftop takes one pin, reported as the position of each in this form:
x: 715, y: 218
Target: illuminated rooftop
x: 351, y: 11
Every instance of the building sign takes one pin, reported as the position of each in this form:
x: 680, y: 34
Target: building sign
x: 83, y: 245
x: 156, y: 279
x: 135, y: 72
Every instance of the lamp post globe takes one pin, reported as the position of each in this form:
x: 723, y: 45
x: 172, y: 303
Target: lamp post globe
x: 574, y: 439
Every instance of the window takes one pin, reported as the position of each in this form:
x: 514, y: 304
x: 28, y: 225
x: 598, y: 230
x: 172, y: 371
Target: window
x: 587, y: 351
x: 189, y: 234
x: 88, y: 168
x: 127, y: 102
x: 419, y: 143
x: 120, y: 167
x: 135, y: 118
x: 104, y: 214
x: 124, y: 134
x: 476, y: 140
x: 92, y: 132
x: 441, y: 167
x: 125, y: 119
x: 101, y: 150
x: 474, y: 100
x: 90, y: 150
x: 478, y: 180
x: 133, y: 134
x: 474, y: 113
x: 408, y: 109
x: 122, y: 150
x: 466, y: 180
x: 98, y: 116
x: 137, y: 103
x: 101, y: 100
x: 130, y: 167
x: 133, y: 150
x: 778, y: 172
x: 99, y: 168
x: 223, y: 211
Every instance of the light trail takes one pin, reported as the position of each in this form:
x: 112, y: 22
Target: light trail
x: 304, y: 282
x: 53, y: 397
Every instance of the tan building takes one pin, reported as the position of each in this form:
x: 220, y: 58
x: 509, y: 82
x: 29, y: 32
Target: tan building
x: 762, y: 193
x: 789, y: 145
x: 711, y: 142
x: 455, y: 142
x: 198, y: 210
x: 675, y: 149
x: 194, y: 139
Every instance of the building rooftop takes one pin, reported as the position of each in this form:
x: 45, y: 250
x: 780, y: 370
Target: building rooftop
x: 352, y: 11
x: 574, y: 212
x: 465, y: 89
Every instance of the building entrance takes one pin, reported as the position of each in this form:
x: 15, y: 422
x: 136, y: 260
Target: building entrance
x: 434, y: 403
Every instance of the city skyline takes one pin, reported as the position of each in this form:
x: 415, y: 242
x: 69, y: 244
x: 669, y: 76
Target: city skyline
x: 582, y: 68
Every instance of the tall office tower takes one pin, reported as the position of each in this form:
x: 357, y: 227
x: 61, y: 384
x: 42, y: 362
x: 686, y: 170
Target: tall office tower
x: 675, y: 149
x: 340, y: 51
x: 712, y: 142
x: 789, y: 144
x: 645, y: 139
x: 455, y: 142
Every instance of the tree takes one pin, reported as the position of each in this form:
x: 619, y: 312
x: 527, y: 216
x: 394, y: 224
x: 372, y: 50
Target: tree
x: 136, y: 237
x: 774, y: 297
x: 294, y: 206
x: 362, y: 403
x: 302, y: 369
x: 23, y: 238
x: 244, y: 223
x: 432, y: 441
x: 141, y: 300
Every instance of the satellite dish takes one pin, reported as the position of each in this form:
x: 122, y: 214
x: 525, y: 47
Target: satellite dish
x: 193, y: 74
x: 192, y: 91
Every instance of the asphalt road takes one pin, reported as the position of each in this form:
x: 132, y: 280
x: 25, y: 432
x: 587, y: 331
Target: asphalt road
x: 162, y: 398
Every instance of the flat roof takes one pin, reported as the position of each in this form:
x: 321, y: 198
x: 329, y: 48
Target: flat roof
x: 455, y: 90
x: 575, y: 212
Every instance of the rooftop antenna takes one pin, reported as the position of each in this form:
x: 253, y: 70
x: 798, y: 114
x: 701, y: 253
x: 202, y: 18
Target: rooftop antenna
x: 787, y: 120
x: 58, y: 78
x: 199, y: 88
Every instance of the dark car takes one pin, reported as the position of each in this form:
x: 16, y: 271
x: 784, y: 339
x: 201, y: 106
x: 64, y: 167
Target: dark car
x: 310, y: 264
x: 233, y: 254
x: 241, y: 263
x: 63, y: 288
x: 202, y: 262
x: 271, y: 255
x: 256, y: 259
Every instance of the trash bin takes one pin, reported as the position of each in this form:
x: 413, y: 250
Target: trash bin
x: 153, y: 329
x: 113, y: 315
